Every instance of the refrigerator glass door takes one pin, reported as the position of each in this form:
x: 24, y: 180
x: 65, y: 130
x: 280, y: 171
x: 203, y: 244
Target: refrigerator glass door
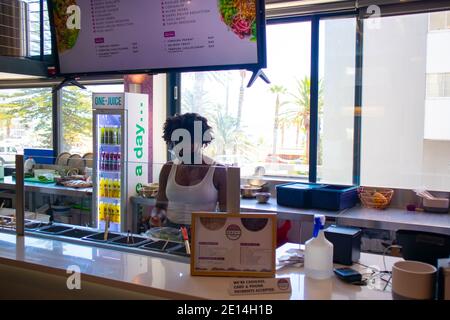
x: 108, y: 176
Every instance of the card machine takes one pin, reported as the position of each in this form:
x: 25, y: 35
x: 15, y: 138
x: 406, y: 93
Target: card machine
x: 348, y: 275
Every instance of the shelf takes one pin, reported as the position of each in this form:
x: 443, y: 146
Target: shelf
x: 109, y: 145
x: 109, y: 199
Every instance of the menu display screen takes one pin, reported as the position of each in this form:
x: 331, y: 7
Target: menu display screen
x: 100, y: 36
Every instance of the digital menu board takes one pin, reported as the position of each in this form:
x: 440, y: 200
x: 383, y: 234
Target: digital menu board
x: 104, y: 36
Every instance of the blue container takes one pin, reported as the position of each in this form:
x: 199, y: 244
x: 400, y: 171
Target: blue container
x: 333, y: 197
x: 297, y: 195
x: 40, y: 156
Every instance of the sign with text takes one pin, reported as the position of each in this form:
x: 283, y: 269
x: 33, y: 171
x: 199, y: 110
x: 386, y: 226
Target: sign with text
x: 233, y: 244
x: 260, y: 286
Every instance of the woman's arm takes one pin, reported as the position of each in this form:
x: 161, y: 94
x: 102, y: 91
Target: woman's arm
x: 161, y: 197
x: 220, y: 182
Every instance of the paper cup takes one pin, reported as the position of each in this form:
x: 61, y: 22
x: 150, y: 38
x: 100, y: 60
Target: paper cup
x: 413, y: 280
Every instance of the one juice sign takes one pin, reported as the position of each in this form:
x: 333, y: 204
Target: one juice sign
x: 108, y: 101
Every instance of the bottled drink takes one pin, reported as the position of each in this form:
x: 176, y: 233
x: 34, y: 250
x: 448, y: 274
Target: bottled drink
x: 102, y: 161
x: 115, y: 137
x: 119, y: 136
x: 118, y: 162
x: 102, y: 135
x: 116, y: 156
x: 107, y: 161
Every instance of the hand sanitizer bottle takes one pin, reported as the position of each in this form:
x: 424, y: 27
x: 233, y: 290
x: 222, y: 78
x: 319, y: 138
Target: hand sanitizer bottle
x: 318, y: 252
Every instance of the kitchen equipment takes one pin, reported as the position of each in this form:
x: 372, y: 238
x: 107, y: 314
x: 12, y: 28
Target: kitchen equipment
x: 346, y: 242
x: 444, y: 279
x: 149, y: 191
x: 76, y: 161
x: 375, y: 198
x: 2, y: 170
x: 62, y: 158
x: 44, y: 172
x: 186, y: 239
x: 431, y: 203
x: 334, y: 197
x: 120, y: 156
x: 262, y: 197
x: 165, y: 233
x: 348, y: 275
x: 423, y: 246
x: 297, y: 195
x: 249, y: 191
x: 413, y: 280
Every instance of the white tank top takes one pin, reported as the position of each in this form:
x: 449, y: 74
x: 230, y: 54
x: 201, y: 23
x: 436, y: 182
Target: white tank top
x: 183, y: 200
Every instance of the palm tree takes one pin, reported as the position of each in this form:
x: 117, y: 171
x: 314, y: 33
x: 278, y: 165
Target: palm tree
x: 300, y: 116
x: 278, y: 91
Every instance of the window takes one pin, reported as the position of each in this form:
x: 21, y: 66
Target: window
x: 25, y: 120
x: 438, y: 85
x: 405, y: 136
x: 336, y: 100
x: 439, y: 21
x: 76, y: 117
x: 34, y: 25
x: 265, y: 125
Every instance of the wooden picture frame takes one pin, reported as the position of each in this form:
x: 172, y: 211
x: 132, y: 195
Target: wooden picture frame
x: 225, y: 234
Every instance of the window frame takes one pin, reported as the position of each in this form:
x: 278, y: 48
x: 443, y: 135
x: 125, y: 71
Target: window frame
x: 174, y: 85
x: 57, y: 102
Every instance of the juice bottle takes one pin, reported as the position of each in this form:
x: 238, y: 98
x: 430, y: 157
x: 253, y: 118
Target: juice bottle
x: 102, y: 187
x: 106, y: 161
x: 118, y: 189
x: 101, y: 211
x: 110, y: 188
x: 117, y: 213
x: 102, y: 135
x: 119, y: 136
x: 118, y: 161
x: 115, y: 137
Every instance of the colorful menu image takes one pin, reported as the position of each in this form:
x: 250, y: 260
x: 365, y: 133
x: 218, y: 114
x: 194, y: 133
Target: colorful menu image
x: 120, y: 35
x: 233, y: 245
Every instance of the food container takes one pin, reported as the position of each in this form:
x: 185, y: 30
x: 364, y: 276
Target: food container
x: 375, y: 198
x: 249, y: 191
x: 263, y: 197
x: 437, y: 205
x: 297, y: 195
x: 49, y: 174
x: 334, y: 197
x: 149, y: 191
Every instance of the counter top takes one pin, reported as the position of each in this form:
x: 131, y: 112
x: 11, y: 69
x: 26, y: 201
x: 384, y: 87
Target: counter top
x: 9, y: 183
x: 390, y: 219
x: 164, y: 278
x: 394, y: 219
x: 285, y: 212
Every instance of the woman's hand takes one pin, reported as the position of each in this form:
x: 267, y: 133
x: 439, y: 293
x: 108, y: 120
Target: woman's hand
x: 158, y: 217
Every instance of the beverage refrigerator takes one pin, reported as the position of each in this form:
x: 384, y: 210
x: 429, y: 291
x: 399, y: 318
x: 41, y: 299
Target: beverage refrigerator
x: 120, y: 156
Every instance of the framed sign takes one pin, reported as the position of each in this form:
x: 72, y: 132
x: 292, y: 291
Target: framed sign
x: 235, y: 245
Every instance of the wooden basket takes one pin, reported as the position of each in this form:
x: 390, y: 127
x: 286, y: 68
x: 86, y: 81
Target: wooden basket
x: 375, y: 198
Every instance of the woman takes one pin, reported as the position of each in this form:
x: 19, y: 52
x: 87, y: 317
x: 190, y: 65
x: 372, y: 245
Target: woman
x: 191, y: 182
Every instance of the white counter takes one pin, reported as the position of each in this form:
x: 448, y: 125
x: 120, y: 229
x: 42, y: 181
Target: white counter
x: 165, y: 278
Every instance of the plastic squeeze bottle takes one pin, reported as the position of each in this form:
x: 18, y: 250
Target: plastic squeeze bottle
x: 318, y: 252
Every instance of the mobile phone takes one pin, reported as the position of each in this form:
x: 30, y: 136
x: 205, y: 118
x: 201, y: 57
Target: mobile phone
x: 348, y: 275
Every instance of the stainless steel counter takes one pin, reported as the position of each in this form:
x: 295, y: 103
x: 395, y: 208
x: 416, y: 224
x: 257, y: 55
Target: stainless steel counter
x: 395, y: 219
x: 390, y: 219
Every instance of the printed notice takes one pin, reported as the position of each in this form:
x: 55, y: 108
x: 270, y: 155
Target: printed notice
x: 234, y: 244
